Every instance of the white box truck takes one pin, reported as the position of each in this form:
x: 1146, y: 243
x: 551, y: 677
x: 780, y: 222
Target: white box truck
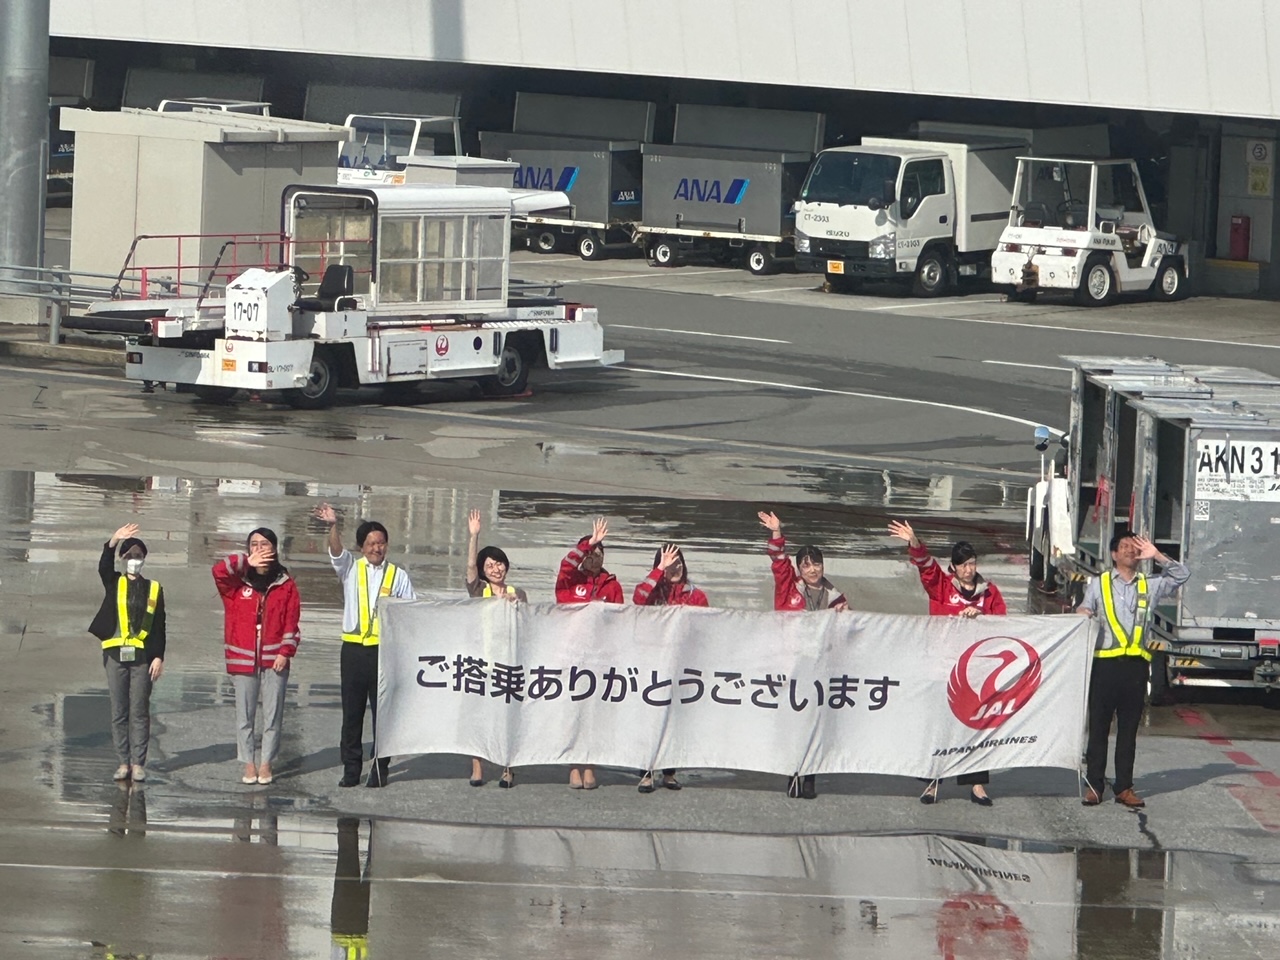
x: 925, y: 210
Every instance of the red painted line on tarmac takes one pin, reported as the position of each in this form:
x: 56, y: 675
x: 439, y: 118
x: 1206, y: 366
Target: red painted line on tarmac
x: 1262, y: 802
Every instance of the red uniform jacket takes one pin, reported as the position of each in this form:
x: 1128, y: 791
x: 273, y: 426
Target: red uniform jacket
x: 945, y: 596
x: 574, y: 586
x: 654, y: 591
x: 277, y: 610
x: 788, y: 588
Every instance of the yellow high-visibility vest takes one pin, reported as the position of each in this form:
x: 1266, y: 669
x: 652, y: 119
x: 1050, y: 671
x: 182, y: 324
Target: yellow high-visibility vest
x: 1127, y: 646
x: 368, y: 635
x: 126, y: 637
x: 351, y: 947
x: 488, y: 590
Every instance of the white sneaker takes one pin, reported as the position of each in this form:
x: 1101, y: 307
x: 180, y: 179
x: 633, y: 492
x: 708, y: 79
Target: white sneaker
x: 139, y: 773
x: 122, y: 772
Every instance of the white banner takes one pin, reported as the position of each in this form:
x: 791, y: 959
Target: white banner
x: 894, y: 896
x: 652, y: 687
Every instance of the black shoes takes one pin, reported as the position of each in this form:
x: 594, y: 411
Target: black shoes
x: 803, y: 788
x: 508, y: 778
x: 349, y: 780
x: 980, y: 801
x: 646, y: 783
x: 930, y: 794
x: 378, y: 774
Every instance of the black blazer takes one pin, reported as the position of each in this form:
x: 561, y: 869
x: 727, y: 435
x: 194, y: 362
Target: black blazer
x: 106, y: 623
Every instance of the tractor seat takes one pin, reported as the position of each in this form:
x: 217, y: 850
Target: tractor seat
x: 338, y: 282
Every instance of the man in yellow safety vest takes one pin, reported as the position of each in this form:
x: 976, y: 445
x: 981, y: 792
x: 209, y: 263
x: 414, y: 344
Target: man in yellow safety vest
x: 130, y: 623
x: 1122, y: 600
x: 364, y: 582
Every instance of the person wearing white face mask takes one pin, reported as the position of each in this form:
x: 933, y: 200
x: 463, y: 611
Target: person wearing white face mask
x: 131, y: 625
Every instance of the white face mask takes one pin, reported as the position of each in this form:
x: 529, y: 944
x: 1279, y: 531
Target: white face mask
x: 133, y: 566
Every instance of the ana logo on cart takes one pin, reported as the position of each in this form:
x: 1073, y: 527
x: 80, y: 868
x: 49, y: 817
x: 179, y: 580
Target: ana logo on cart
x: 711, y: 191
x: 625, y: 198
x: 442, y: 345
x: 993, y: 680
x: 544, y: 178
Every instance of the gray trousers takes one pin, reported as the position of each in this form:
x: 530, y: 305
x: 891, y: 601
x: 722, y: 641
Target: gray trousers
x: 130, y: 687
x: 248, y: 686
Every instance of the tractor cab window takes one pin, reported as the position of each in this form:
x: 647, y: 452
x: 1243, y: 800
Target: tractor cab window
x: 1118, y: 197
x: 1054, y: 193
x: 329, y: 229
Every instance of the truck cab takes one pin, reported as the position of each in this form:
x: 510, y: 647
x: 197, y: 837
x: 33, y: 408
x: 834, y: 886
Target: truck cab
x: 1085, y: 226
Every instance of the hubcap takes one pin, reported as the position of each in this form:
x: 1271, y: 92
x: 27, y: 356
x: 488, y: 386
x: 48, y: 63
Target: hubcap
x: 317, y: 379
x: 1099, y: 282
x: 509, y: 371
x: 931, y: 273
x: 662, y: 253
x: 1169, y: 282
x: 546, y: 242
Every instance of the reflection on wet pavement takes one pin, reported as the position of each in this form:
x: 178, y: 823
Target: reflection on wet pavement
x: 280, y: 885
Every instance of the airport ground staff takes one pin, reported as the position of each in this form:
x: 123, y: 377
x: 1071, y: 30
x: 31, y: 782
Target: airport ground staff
x: 364, y: 582
x: 1121, y: 600
x: 131, y: 626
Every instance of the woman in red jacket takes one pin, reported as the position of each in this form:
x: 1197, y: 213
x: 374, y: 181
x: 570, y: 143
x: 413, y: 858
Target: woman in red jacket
x: 582, y: 579
x: 798, y: 588
x: 667, y: 585
x: 260, y: 637
x: 959, y: 592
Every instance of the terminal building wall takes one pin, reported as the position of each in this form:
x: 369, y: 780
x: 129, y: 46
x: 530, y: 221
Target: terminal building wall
x: 1217, y: 57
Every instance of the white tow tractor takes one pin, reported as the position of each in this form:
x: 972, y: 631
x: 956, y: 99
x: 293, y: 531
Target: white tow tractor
x: 1085, y: 226
x: 413, y: 286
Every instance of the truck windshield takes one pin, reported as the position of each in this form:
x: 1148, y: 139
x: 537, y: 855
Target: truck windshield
x: 1054, y: 193
x: 845, y: 177
x: 378, y: 141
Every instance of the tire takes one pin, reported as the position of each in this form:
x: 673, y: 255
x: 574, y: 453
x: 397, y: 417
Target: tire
x: 1098, y: 285
x: 206, y: 393
x: 933, y: 274
x: 1161, y: 691
x: 322, y: 384
x: 1171, y: 282
x: 590, y: 247
x: 512, y: 378
x: 663, y: 253
x: 402, y: 393
x: 760, y: 261
x: 1021, y: 296
x: 548, y: 241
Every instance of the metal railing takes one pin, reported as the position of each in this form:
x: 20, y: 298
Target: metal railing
x: 60, y: 289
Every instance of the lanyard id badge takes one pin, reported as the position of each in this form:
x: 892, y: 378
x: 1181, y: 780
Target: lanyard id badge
x: 128, y: 654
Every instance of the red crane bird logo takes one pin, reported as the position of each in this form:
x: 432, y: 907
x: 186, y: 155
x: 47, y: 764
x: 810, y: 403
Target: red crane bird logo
x: 1006, y: 688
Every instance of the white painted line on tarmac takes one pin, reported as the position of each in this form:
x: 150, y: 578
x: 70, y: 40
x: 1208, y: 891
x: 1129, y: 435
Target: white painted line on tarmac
x: 773, y: 291
x: 693, y: 333
x: 638, y: 275
x: 841, y: 393
x: 1110, y: 333
x: 1032, y: 366
x: 66, y: 374
x: 928, y: 303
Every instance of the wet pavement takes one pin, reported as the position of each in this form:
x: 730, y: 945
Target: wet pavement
x: 194, y: 864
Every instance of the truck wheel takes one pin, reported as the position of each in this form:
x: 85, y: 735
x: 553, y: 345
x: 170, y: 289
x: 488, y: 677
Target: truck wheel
x: 760, y: 260
x: 321, y: 387
x: 1170, y: 282
x: 933, y: 274
x: 548, y: 241
x: 663, y: 253
x: 207, y: 393
x: 512, y: 377
x: 1098, y: 284
x: 590, y: 247
x: 1161, y: 690
x: 1021, y: 296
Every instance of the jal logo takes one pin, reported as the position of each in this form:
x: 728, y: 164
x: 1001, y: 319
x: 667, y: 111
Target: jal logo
x: 993, y: 680
x: 580, y: 590
x: 980, y: 925
x: 246, y: 592
x: 711, y: 191
x: 545, y: 178
x: 442, y: 345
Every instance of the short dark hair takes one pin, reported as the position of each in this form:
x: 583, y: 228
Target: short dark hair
x: 128, y: 543
x: 1119, y: 538
x: 961, y: 552
x: 368, y: 527
x: 657, y: 559
x: 487, y: 553
x: 808, y: 552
